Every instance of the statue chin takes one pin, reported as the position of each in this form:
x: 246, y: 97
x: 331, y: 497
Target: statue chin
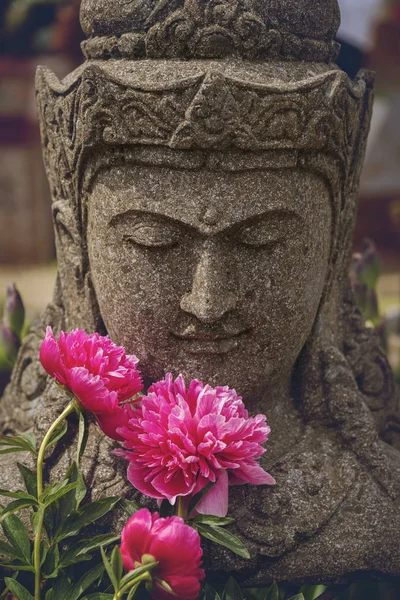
x: 204, y: 167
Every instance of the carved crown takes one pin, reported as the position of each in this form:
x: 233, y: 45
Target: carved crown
x: 207, y: 103
x: 205, y: 112
x: 252, y: 29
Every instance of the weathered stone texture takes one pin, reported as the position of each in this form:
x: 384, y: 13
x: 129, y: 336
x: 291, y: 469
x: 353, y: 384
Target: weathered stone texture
x: 204, y: 204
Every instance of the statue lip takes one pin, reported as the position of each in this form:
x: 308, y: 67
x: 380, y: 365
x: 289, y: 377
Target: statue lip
x: 211, y: 342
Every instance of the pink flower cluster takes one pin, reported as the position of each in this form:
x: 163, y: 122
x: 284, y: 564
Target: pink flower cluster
x: 178, y: 440
x: 98, y: 373
x: 173, y: 544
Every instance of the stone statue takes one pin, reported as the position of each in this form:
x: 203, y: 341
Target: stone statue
x: 204, y: 165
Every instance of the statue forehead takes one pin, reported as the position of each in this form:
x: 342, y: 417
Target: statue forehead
x: 216, y: 198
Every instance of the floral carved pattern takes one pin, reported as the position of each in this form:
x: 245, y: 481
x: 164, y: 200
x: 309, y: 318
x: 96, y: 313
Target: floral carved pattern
x: 213, y: 29
x: 211, y: 111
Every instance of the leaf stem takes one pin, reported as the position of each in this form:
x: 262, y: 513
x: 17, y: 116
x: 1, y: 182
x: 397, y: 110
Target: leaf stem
x: 40, y: 460
x: 180, y: 511
x: 145, y: 577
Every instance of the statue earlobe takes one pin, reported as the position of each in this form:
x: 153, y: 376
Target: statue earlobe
x: 78, y: 297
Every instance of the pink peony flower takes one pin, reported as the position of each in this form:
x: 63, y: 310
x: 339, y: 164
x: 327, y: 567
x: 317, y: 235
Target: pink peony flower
x: 170, y: 542
x: 97, y: 372
x: 180, y: 440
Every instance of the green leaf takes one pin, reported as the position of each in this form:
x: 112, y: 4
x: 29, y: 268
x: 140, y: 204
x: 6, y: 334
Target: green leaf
x: 5, y: 592
x: 17, y: 535
x: 62, y: 586
x: 137, y: 573
x: 232, y: 590
x: 17, y: 494
x: 223, y: 538
x: 52, y: 488
x: 212, y: 520
x: 12, y: 450
x: 311, y: 592
x: 99, y: 596
x: 59, y: 493
x: 24, y: 442
x: 36, y: 518
x: 85, y: 516
x: 57, y: 513
x: 109, y: 570
x: 15, y: 506
x: 8, y: 550
x: 83, y: 433
x: 50, y: 595
x: 132, y: 591
x: 18, y: 590
x: 80, y: 491
x: 75, y: 552
x: 73, y: 499
x: 297, y: 597
x: 199, y: 496
x: 57, y: 435
x: 131, y: 507
x: 116, y: 564
x: 29, y: 478
x: 85, y: 581
x: 6, y: 565
x: 273, y: 592
x: 210, y: 594
x: 50, y: 565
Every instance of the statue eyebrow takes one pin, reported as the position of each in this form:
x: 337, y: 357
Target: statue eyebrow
x: 146, y: 214
x: 282, y: 214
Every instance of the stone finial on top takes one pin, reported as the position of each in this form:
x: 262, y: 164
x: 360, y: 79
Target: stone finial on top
x: 250, y: 29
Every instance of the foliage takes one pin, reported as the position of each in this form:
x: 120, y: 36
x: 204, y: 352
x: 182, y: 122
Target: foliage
x: 50, y: 549
x: 70, y: 560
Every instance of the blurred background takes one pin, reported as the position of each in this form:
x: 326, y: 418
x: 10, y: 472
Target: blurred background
x: 47, y: 32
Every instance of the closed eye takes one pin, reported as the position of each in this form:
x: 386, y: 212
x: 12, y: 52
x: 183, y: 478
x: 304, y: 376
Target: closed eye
x: 153, y: 235
x: 260, y: 235
x: 147, y: 230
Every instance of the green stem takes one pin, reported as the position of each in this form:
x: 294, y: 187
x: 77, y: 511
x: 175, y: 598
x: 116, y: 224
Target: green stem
x: 145, y: 577
x: 40, y: 460
x: 180, y: 512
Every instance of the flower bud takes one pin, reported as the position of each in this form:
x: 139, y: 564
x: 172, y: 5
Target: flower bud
x: 370, y: 268
x: 14, y: 311
x: 10, y: 342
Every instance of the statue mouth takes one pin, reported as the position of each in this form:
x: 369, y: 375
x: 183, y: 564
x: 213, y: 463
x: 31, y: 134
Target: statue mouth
x: 211, y: 342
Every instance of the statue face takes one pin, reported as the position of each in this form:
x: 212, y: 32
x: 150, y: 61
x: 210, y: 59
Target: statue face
x: 213, y: 274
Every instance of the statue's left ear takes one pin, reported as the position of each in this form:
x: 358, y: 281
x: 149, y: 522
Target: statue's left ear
x: 62, y: 139
x: 78, y: 296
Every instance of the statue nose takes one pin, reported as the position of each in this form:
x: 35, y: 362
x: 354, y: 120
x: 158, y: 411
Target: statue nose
x: 211, y: 296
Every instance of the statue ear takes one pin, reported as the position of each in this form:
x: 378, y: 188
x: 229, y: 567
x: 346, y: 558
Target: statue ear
x: 78, y: 296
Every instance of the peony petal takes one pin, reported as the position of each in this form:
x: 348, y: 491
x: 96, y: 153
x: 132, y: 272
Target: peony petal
x: 136, y: 538
x: 91, y: 391
x: 215, y: 502
x: 111, y: 422
x: 254, y: 474
x: 174, y: 487
x: 136, y: 475
x: 176, y: 546
x: 50, y: 357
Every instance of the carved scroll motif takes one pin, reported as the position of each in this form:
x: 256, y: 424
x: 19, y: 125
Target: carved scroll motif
x: 203, y: 112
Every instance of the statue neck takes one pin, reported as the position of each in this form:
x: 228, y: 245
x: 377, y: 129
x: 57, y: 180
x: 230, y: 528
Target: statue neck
x: 283, y: 417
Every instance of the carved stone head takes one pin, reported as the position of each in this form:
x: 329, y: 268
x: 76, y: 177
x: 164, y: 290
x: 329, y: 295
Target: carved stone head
x: 206, y: 198
x: 204, y: 165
